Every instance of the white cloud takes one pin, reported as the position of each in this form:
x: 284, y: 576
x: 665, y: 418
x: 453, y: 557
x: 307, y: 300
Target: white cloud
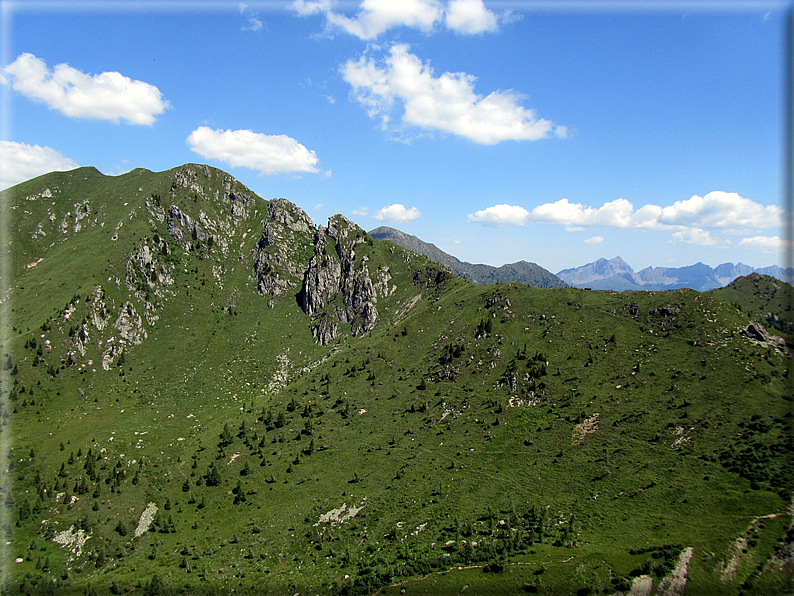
x: 106, y: 96
x: 20, y: 162
x: 254, y: 24
x: 770, y: 244
x: 306, y: 8
x: 594, y: 240
x: 378, y: 16
x: 699, y: 237
x: 362, y: 212
x: 619, y: 213
x: 270, y: 154
x: 717, y: 209
x: 446, y: 103
x: 501, y: 215
x: 720, y: 209
x: 397, y: 213
x: 470, y: 16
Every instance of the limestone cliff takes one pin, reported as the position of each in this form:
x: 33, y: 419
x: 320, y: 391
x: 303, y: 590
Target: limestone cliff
x: 337, y: 285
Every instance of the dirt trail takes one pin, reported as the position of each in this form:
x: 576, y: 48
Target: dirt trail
x: 673, y: 584
x: 641, y: 586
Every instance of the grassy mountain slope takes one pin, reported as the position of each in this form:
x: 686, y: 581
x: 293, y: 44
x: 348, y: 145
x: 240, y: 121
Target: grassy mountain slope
x: 765, y: 299
x: 521, y: 272
x: 173, y: 423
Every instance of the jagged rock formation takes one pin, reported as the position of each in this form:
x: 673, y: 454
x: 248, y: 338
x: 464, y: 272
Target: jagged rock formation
x: 337, y: 287
x: 280, y: 252
x: 336, y: 270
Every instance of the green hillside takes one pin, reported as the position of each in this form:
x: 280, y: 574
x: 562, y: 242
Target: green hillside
x: 765, y: 299
x: 204, y: 393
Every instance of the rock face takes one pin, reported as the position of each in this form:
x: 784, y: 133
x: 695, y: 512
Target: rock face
x: 280, y: 253
x: 323, y: 266
x: 337, y: 287
x: 758, y: 332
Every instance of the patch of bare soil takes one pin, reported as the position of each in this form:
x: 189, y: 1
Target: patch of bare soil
x: 580, y: 431
x: 641, y: 586
x: 673, y: 584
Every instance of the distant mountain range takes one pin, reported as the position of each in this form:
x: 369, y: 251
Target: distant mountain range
x: 603, y: 274
x: 616, y: 274
x: 522, y: 271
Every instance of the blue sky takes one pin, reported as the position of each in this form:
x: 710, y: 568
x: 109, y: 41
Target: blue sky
x: 555, y: 133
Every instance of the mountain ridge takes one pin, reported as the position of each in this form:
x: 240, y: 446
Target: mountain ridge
x: 616, y: 274
x: 524, y: 272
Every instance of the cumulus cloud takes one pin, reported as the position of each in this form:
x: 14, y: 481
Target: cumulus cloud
x: 688, y: 219
x: 20, y: 162
x: 397, y: 213
x: 470, y: 16
x: 717, y: 209
x: 446, y: 103
x: 106, y: 96
x: 720, y: 209
x: 594, y: 240
x: 699, y: 237
x: 619, y: 213
x: 270, y: 154
x: 306, y: 8
x: 362, y: 212
x: 378, y: 16
x: 254, y: 24
x: 770, y: 244
x: 501, y: 215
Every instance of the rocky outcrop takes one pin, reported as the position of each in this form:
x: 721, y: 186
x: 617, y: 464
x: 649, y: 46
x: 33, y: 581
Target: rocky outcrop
x: 281, y: 253
x: 758, y: 333
x: 100, y: 313
x: 337, y: 286
x: 322, y: 279
x: 182, y: 227
x: 325, y: 329
x: 130, y: 325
